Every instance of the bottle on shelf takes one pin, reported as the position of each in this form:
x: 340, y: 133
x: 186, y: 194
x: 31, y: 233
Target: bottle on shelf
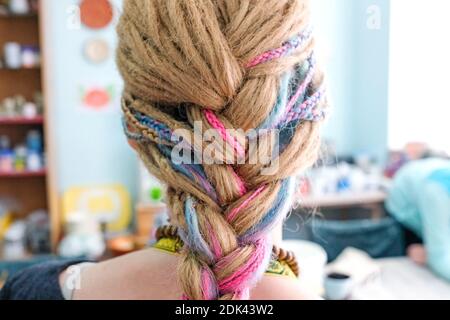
x: 17, y: 107
x: 20, y: 158
x: 6, y: 155
x: 34, y: 151
x: 12, y: 55
x: 24, y: 158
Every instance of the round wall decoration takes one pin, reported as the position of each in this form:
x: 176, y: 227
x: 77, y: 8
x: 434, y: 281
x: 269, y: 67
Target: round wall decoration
x: 96, y: 50
x: 96, y: 14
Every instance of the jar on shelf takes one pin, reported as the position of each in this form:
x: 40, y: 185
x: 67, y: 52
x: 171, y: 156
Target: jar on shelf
x: 30, y: 110
x: 19, y: 6
x: 30, y: 57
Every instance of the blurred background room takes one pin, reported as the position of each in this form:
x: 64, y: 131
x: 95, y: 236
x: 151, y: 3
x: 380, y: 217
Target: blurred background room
x: 70, y: 186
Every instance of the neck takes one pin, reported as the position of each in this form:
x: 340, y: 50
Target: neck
x: 277, y: 235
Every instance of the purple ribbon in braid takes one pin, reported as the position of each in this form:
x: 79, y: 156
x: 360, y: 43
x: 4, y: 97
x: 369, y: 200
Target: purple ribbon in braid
x: 286, y: 49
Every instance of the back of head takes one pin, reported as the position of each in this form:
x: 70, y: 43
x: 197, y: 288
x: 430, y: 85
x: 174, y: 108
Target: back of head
x: 209, y: 80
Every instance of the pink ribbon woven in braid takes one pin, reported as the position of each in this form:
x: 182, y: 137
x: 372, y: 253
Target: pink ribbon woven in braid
x: 302, y: 88
x: 284, y: 50
x: 311, y: 102
x: 235, y: 211
x: 239, y: 182
x: 238, y: 281
x: 218, y: 125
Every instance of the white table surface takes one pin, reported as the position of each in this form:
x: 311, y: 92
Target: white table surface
x: 401, y: 279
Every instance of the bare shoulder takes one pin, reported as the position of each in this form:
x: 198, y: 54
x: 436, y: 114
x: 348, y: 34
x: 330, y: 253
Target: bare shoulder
x: 151, y: 274
x: 143, y: 275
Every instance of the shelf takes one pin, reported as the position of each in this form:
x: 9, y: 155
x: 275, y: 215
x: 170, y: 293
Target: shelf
x: 21, y: 121
x: 343, y: 200
x: 23, y: 174
x: 21, y: 69
x: 13, y: 15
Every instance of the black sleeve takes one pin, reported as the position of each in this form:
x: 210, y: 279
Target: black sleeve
x: 39, y: 282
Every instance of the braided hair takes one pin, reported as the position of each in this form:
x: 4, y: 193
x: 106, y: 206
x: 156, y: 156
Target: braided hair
x: 230, y: 67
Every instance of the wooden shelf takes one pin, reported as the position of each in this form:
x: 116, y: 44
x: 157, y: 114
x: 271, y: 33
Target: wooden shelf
x: 22, y: 121
x: 21, y: 69
x: 13, y: 15
x: 23, y: 174
x: 32, y: 190
x: 343, y: 200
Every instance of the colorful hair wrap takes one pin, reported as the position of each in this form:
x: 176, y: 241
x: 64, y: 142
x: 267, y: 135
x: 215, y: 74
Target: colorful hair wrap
x: 307, y: 111
x: 163, y: 131
x: 193, y: 171
x: 234, y: 212
x: 285, y: 50
x: 249, y: 271
x: 300, y: 106
x: 218, y: 125
x: 276, y: 214
x: 301, y: 90
x: 279, y: 110
x: 212, y: 73
x: 193, y: 239
x: 239, y: 182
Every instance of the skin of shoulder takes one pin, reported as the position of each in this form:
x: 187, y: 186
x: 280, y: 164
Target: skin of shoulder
x: 152, y: 275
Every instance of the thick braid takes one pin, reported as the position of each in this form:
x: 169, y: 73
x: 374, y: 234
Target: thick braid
x: 227, y: 65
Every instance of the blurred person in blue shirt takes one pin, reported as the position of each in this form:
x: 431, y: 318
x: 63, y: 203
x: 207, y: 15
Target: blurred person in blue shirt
x: 420, y: 200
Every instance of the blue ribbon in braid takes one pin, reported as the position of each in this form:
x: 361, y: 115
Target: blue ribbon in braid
x: 193, y: 237
x: 194, y: 172
x: 278, y: 211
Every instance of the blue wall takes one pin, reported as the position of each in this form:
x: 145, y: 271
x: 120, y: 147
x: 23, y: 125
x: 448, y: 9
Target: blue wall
x: 90, y: 146
x: 355, y: 59
x: 371, y: 72
x: 333, y: 28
